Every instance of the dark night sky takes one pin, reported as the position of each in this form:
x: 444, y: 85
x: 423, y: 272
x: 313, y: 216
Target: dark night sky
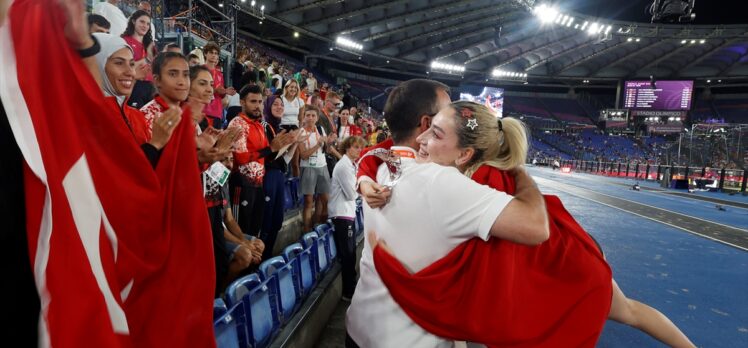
x: 707, y: 11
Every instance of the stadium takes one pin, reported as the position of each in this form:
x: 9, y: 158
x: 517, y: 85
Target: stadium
x: 633, y: 114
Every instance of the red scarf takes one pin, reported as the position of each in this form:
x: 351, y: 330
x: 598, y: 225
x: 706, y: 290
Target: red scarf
x: 503, y: 294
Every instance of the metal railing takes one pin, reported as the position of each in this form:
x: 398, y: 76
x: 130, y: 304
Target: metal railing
x: 723, y: 179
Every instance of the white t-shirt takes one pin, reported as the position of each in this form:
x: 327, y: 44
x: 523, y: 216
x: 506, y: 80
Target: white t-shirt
x: 343, y: 189
x: 234, y: 100
x: 278, y: 82
x: 291, y: 111
x: 432, y: 210
x: 311, y: 85
x: 317, y: 159
x: 114, y: 15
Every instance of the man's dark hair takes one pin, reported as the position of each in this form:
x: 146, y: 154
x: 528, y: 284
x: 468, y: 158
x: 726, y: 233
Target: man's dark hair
x: 253, y: 89
x: 210, y: 47
x: 409, y: 101
x: 99, y: 20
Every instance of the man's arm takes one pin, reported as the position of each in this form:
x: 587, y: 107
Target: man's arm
x: 375, y: 195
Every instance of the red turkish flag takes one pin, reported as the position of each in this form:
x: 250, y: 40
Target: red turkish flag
x: 122, y: 254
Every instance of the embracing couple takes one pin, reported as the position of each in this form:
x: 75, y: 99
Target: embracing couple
x: 463, y: 247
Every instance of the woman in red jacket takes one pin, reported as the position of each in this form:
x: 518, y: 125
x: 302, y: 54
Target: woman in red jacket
x: 117, y: 67
x: 501, y: 293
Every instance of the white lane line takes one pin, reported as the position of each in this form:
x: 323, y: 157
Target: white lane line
x: 650, y: 206
x: 640, y: 215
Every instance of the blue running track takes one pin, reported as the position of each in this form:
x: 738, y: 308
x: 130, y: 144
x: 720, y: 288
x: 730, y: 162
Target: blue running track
x: 701, y: 285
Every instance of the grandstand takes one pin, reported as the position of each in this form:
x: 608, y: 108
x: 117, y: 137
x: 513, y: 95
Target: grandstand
x: 571, y: 75
x: 557, y: 74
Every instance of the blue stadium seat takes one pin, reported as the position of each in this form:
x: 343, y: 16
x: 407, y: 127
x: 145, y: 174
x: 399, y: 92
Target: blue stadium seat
x: 308, y: 239
x: 359, y: 223
x: 227, y: 326
x: 332, y: 249
x: 260, y: 312
x: 283, y: 286
x: 323, y: 257
x: 296, y: 191
x: 219, y: 308
x: 313, y: 242
x: 304, y: 267
x: 288, y: 199
x: 323, y: 229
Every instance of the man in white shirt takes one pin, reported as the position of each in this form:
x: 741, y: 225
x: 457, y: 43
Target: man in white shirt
x: 109, y: 10
x: 311, y: 83
x: 431, y: 210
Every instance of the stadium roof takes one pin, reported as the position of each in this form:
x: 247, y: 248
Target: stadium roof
x: 408, y: 35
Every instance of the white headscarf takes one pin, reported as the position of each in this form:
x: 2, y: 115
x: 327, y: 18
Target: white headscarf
x: 109, y: 44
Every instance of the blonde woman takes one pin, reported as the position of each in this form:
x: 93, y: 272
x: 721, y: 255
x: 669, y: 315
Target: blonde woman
x: 496, y: 290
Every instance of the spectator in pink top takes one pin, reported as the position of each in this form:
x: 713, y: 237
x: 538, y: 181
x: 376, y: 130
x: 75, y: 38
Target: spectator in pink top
x: 138, y: 36
x: 214, y: 110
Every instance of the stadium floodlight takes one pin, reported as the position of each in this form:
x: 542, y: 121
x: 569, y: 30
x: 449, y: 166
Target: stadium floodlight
x: 253, y: 3
x: 683, y: 42
x: 702, y: 41
x: 638, y: 39
x: 630, y: 39
x: 347, y: 43
x: 262, y: 8
x: 449, y: 68
x: 592, y: 29
x: 693, y: 41
x: 546, y: 14
x: 508, y: 75
x: 608, y: 29
x: 584, y: 26
x: 571, y: 20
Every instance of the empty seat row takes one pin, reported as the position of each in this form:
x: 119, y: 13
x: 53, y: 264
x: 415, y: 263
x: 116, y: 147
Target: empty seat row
x: 269, y: 298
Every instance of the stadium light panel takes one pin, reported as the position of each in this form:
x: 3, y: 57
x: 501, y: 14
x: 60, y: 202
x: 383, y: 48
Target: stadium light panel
x: 546, y: 14
x: 592, y: 29
x: 447, y: 67
x: 584, y: 26
x: 348, y: 43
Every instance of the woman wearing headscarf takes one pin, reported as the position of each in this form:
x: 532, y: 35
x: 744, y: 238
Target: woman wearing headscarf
x: 117, y: 67
x: 275, y: 179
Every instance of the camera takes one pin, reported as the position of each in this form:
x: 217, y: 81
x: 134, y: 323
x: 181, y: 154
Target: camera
x: 672, y: 11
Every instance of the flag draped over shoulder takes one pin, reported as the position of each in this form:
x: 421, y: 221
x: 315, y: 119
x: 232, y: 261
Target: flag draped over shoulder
x: 122, y: 254
x: 503, y: 294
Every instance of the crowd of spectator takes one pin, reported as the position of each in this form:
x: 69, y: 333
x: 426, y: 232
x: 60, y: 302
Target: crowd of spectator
x: 259, y: 120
